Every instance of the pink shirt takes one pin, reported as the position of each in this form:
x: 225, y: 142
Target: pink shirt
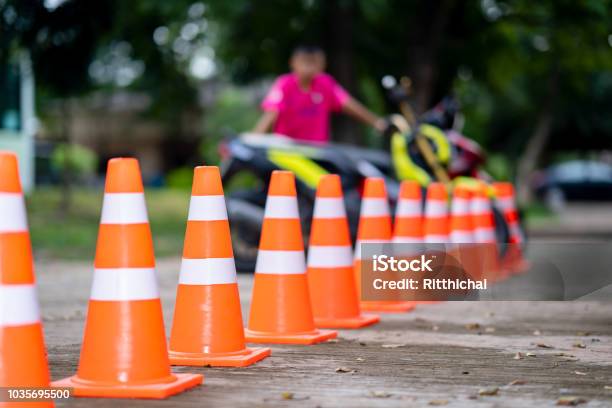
x: 304, y: 115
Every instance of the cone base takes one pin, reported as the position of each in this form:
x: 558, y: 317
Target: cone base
x: 387, y: 306
x: 314, y: 337
x: 152, y: 391
x: 246, y: 358
x: 348, y: 322
x: 517, y: 267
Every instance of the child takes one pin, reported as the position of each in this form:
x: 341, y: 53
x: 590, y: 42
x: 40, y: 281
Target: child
x: 299, y: 103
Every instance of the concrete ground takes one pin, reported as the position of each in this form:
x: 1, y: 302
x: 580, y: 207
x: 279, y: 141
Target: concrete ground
x: 448, y: 354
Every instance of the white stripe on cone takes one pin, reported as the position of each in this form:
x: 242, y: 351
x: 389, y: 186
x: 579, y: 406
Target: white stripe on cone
x: 408, y: 208
x: 280, y: 262
x: 516, y: 231
x: 484, y: 235
x: 436, y: 208
x: 381, y: 242
x: 480, y: 206
x: 281, y: 207
x: 461, y: 237
x: 436, y: 239
x: 505, y: 203
x: 374, y: 207
x: 124, y: 208
x: 124, y: 284
x: 460, y: 206
x: 330, y: 256
x: 207, y: 208
x: 209, y: 271
x: 12, y: 213
x: 326, y: 207
x: 18, y: 305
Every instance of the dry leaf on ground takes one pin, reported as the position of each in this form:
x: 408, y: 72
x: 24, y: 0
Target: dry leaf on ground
x: 391, y: 346
x: 489, y: 391
x: 544, y: 345
x: 380, y: 394
x: 517, y: 382
x: 438, y: 402
x: 570, y: 401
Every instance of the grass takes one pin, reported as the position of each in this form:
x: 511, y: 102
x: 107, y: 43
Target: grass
x: 74, y: 236
x: 537, y: 213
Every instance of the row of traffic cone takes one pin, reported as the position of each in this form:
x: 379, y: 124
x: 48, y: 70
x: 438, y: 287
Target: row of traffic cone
x: 124, y: 351
x: 469, y: 219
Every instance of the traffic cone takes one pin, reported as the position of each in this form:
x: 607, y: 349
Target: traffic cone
x: 408, y: 226
x: 436, y: 228
x: 280, y: 306
x: 484, y: 232
x: 330, y: 266
x: 23, y: 359
x: 462, y: 233
x: 408, y: 233
x: 505, y: 200
x: 375, y: 227
x: 124, y: 352
x: 207, y: 327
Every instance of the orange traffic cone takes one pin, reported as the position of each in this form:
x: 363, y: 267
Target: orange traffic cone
x: 408, y: 227
x: 505, y: 200
x: 484, y: 232
x: 124, y: 353
x: 461, y: 228
x: 436, y: 228
x: 207, y: 327
x: 375, y: 227
x: 462, y: 232
x: 330, y: 264
x: 23, y: 360
x: 280, y: 306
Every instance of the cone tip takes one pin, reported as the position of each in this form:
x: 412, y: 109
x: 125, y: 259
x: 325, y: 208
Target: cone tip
x: 375, y: 188
x: 436, y: 191
x: 330, y: 186
x: 123, y: 176
x: 504, y: 188
x: 9, y: 172
x: 282, y: 183
x: 461, y: 192
x: 410, y: 189
x: 206, y: 181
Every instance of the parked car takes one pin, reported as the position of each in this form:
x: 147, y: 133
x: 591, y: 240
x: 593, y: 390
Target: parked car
x: 578, y: 180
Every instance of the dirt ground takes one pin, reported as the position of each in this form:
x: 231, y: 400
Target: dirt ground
x: 445, y: 354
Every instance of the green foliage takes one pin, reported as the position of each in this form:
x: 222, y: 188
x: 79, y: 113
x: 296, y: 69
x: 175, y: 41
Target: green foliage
x: 79, y: 229
x: 74, y: 159
x: 500, y: 58
x: 499, y: 167
x: 180, y: 178
x: 234, y: 111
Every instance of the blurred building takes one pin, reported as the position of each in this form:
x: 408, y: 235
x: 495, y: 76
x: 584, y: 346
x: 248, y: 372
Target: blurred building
x: 115, y: 124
